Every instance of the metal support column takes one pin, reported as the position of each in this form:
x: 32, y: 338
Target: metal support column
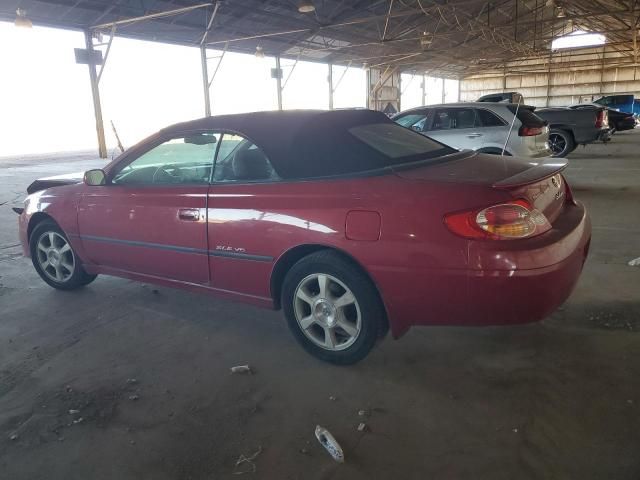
x: 368, y: 75
x: 504, y: 78
x: 424, y: 90
x: 279, y: 82
x: 95, y: 92
x: 549, y: 78
x: 330, y: 80
x: 205, y: 80
x: 206, y: 83
x: 443, y: 101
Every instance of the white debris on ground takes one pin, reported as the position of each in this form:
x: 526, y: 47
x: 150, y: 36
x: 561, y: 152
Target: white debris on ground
x: 635, y: 262
x: 248, y: 460
x: 241, y: 369
x: 330, y: 444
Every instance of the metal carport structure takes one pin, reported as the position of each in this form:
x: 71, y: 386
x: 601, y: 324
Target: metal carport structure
x: 454, y: 39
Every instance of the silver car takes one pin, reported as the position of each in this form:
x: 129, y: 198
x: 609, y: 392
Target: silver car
x: 483, y: 127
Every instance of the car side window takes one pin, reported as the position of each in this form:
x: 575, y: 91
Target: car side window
x: 241, y: 160
x: 414, y: 121
x: 485, y: 118
x: 181, y: 160
x: 453, y: 118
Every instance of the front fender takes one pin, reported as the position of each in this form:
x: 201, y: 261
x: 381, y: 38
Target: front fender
x: 59, y: 204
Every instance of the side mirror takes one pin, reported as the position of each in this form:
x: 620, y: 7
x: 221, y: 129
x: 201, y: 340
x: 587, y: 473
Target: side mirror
x: 95, y: 177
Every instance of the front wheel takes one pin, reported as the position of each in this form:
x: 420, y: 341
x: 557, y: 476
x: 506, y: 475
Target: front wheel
x: 54, y: 258
x: 561, y: 143
x: 332, y: 308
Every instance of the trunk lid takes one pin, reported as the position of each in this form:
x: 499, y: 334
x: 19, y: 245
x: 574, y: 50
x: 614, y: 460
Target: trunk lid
x: 538, y: 181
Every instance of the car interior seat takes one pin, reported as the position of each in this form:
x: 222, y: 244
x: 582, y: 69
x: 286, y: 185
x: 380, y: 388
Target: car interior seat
x: 250, y: 164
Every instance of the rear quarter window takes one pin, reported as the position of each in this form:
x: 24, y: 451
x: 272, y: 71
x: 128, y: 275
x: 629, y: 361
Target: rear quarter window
x: 489, y: 119
x: 357, y: 149
x: 394, y: 142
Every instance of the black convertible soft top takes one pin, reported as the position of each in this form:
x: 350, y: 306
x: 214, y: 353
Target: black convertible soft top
x: 299, y: 143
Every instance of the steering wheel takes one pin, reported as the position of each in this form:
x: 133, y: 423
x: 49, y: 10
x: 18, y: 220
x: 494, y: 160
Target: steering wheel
x: 162, y: 174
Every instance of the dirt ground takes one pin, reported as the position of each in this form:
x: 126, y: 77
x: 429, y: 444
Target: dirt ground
x: 123, y: 380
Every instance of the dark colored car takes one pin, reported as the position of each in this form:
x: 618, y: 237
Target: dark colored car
x: 506, y: 97
x: 350, y: 223
x: 618, y: 121
x: 572, y: 127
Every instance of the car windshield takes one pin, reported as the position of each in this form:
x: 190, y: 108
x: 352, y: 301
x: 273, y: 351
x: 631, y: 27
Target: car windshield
x: 410, y: 119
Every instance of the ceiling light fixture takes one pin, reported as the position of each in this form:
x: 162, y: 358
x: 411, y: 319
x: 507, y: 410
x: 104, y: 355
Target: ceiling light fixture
x: 425, y: 39
x: 21, y: 19
x: 306, y: 7
x: 561, y: 13
x: 259, y: 52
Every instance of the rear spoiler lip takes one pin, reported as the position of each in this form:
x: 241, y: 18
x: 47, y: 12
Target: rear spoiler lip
x: 541, y: 170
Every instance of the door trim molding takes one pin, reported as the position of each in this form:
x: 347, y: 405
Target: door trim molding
x: 176, y: 248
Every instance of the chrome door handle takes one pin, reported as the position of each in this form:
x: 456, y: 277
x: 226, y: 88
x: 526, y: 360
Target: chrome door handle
x: 474, y: 135
x: 189, y: 214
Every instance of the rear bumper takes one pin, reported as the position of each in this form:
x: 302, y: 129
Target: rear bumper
x: 508, y: 283
x: 604, y: 136
x: 625, y: 125
x: 507, y: 297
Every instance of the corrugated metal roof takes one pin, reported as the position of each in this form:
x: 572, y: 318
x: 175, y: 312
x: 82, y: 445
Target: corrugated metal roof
x: 448, y: 38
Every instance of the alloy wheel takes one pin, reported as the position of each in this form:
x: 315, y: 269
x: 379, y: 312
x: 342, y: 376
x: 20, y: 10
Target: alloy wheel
x: 327, y: 312
x: 55, y: 257
x: 557, y: 143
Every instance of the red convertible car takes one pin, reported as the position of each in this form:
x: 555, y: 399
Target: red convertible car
x: 350, y: 223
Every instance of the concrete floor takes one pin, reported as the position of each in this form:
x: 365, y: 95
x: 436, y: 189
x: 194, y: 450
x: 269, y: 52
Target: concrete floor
x: 555, y: 400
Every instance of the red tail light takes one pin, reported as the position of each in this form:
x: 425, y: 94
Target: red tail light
x: 506, y: 221
x: 601, y: 119
x: 567, y: 190
x: 530, y: 131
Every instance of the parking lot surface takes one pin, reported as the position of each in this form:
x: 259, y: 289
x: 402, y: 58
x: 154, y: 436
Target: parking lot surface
x: 126, y: 380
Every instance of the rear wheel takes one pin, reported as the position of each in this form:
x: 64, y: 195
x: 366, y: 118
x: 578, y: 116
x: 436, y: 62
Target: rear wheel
x: 561, y: 143
x: 54, y: 259
x: 332, y: 308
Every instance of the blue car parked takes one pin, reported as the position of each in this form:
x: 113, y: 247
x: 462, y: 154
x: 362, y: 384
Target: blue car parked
x: 622, y: 103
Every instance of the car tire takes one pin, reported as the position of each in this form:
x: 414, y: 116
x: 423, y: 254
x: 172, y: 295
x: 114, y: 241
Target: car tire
x: 55, y: 260
x: 332, y: 308
x: 561, y: 143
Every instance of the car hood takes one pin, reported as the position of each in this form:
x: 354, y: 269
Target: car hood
x: 485, y: 169
x: 56, y: 181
